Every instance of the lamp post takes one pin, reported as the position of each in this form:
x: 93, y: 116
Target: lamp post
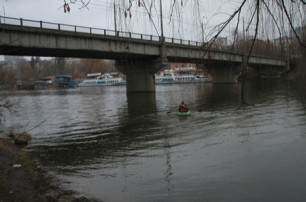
x: 161, y: 21
x: 202, y: 26
x: 115, y: 17
x: 203, y: 29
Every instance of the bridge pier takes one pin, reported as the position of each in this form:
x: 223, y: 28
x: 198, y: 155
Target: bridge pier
x: 270, y: 72
x: 139, y: 74
x: 224, y: 73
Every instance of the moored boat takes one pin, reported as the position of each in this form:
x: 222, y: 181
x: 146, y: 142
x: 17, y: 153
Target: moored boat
x: 96, y: 79
x: 42, y: 83
x: 64, y: 81
x: 169, y: 78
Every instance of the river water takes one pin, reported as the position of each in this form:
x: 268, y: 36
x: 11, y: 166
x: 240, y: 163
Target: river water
x: 111, y: 146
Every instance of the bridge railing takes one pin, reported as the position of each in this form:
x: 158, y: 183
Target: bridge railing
x: 105, y: 32
x: 90, y: 30
x: 73, y: 28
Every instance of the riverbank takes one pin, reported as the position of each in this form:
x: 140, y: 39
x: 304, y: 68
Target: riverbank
x: 22, y: 180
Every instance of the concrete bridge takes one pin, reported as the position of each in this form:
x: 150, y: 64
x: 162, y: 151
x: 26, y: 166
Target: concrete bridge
x: 138, y: 56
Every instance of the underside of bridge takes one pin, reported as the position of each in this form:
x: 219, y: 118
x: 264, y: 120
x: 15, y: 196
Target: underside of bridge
x: 223, y: 72
x: 270, y: 72
x: 229, y: 72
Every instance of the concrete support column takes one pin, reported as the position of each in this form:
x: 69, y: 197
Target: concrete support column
x: 139, y: 80
x: 140, y: 74
x: 271, y: 72
x: 224, y: 73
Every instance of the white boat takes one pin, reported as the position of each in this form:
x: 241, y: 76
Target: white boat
x: 96, y: 79
x: 169, y: 77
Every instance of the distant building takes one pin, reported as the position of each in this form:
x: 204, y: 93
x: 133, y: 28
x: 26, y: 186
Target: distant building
x: 283, y: 40
x: 72, y: 60
x: 185, y: 68
x: 221, y: 41
x: 178, y: 66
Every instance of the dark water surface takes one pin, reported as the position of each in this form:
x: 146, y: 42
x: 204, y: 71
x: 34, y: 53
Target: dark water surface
x: 111, y: 146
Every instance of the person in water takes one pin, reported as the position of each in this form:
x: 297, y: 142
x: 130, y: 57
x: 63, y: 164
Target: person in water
x: 183, y: 107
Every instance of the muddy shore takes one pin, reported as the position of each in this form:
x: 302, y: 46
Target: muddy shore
x: 21, y: 179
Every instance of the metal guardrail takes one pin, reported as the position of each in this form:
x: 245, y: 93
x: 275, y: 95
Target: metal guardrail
x: 90, y: 30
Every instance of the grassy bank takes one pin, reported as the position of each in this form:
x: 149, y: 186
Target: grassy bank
x: 22, y: 180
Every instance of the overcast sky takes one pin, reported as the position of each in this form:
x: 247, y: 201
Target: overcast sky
x: 185, y: 22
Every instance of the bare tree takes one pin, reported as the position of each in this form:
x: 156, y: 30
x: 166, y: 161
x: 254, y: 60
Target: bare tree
x: 6, y: 105
x: 82, y: 4
x: 86, y: 66
x: 263, y: 19
x: 261, y: 16
x: 59, y: 63
x: 7, y: 77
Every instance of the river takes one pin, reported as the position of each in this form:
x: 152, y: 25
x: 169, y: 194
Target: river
x: 112, y: 146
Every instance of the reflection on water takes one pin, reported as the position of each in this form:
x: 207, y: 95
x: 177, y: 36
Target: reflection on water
x: 115, y: 146
x: 141, y: 103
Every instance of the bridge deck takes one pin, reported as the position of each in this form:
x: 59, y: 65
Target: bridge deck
x: 37, y: 38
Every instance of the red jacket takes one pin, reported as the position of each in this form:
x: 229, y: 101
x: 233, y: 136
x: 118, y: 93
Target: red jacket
x: 183, y: 108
